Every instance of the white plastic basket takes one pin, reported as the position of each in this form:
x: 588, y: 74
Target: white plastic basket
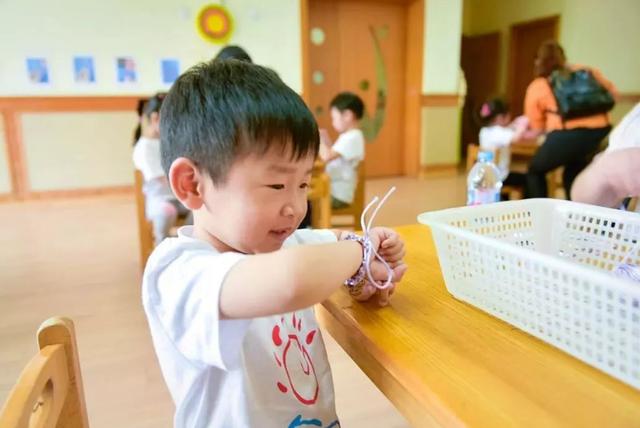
x: 544, y: 266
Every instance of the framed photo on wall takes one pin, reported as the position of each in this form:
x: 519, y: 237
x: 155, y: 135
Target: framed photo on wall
x: 84, y: 69
x: 38, y: 71
x: 170, y: 70
x: 126, y: 71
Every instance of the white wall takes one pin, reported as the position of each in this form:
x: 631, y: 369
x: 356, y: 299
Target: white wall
x: 443, y: 26
x: 147, y: 30
x: 78, y: 150
x: 605, y: 34
x: 441, y: 75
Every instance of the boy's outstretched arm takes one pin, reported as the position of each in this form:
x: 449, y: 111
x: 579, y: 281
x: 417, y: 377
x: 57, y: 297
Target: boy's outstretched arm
x: 289, y: 279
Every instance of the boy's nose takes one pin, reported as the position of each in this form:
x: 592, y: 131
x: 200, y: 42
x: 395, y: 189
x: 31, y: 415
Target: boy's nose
x: 288, y: 210
x: 295, y: 208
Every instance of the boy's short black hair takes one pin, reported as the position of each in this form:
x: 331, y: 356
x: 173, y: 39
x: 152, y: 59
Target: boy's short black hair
x: 219, y: 110
x: 349, y: 101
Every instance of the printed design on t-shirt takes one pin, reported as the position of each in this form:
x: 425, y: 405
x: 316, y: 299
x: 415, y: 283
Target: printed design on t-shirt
x: 299, y: 422
x: 292, y: 356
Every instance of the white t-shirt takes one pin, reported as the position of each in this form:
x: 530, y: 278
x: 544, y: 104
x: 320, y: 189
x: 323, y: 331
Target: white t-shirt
x: 626, y: 134
x: 146, y: 158
x: 497, y: 139
x: 263, y: 372
x: 343, y: 170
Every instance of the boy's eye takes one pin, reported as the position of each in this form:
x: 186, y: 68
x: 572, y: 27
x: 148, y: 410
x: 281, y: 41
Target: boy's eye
x: 276, y: 186
x: 304, y: 186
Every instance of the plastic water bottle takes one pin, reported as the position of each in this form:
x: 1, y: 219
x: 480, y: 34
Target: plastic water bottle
x: 484, y: 181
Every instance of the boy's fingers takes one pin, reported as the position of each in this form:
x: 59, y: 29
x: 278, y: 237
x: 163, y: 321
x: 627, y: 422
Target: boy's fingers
x: 383, y: 297
x: 399, y: 271
x: 363, y: 293
x: 393, y: 257
x: 390, y: 241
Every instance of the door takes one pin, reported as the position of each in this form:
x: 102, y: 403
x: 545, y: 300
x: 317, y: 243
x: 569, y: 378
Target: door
x: 360, y: 46
x: 526, y: 38
x: 479, y: 58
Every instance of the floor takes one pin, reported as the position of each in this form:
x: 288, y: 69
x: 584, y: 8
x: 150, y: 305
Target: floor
x: 79, y: 258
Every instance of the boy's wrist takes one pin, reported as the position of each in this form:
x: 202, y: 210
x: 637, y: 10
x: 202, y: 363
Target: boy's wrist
x: 359, y: 277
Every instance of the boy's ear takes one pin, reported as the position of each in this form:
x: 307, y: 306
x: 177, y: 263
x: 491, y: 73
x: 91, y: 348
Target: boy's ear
x: 187, y: 183
x: 349, y: 116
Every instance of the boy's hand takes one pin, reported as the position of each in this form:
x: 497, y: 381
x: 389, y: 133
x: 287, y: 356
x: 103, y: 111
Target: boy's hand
x: 391, y: 248
x: 324, y: 137
x: 366, y: 290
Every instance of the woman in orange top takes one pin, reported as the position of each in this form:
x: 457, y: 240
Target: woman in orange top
x: 570, y: 144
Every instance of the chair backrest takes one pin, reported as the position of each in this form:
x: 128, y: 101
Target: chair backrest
x: 472, y: 155
x: 358, y: 197
x: 145, y: 229
x: 320, y: 198
x: 357, y: 206
x: 49, y: 391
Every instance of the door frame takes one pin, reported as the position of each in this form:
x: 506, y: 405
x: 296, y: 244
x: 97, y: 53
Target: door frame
x: 467, y: 107
x: 413, y: 75
x: 514, y: 43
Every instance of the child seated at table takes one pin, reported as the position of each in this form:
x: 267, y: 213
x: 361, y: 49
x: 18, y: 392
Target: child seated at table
x: 162, y: 208
x: 497, y: 134
x: 230, y: 300
x: 343, y: 156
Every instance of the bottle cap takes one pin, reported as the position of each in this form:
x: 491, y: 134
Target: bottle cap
x: 485, y: 157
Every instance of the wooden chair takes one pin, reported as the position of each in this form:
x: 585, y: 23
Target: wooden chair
x: 145, y: 228
x: 320, y: 198
x: 354, y: 210
x: 49, y: 391
x: 554, y: 183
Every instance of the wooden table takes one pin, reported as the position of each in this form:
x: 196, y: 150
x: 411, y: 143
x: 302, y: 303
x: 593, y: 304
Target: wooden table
x: 524, y: 148
x: 445, y: 363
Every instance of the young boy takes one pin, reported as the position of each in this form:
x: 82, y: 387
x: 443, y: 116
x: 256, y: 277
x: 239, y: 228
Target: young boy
x: 343, y: 157
x: 230, y: 300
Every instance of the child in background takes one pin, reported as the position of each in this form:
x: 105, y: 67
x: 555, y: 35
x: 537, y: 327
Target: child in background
x: 497, y: 134
x: 230, y: 300
x: 343, y: 156
x: 162, y: 208
x: 233, y: 52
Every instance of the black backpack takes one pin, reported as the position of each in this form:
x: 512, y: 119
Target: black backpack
x: 579, y: 94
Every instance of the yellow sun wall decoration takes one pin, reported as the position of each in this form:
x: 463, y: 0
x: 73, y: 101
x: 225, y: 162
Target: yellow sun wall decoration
x: 214, y: 23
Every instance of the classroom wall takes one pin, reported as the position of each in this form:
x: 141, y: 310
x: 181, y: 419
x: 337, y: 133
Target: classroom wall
x: 443, y: 26
x: 441, y: 76
x: 121, y: 28
x: 603, y: 34
x: 64, y: 151
x: 440, y: 133
x: 144, y: 29
x: 80, y: 150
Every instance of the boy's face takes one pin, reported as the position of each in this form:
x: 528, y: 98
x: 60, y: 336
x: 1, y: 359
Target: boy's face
x: 262, y: 202
x: 342, y: 120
